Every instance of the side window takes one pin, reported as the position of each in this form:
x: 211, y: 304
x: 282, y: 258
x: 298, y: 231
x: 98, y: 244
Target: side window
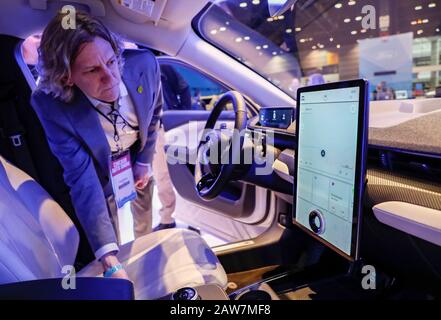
x: 185, y: 88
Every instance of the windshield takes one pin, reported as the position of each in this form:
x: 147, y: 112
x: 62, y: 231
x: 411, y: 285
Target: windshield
x: 395, y: 44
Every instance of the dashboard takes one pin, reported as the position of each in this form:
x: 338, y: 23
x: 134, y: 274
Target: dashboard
x: 423, y: 166
x: 382, y: 153
x: 395, y: 176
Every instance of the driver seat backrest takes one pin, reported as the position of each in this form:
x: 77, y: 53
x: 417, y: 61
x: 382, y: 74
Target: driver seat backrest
x: 37, y: 238
x: 40, y: 163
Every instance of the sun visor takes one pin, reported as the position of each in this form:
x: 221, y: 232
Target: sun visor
x: 140, y: 11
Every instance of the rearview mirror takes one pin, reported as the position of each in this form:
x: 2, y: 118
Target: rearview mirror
x: 278, y: 7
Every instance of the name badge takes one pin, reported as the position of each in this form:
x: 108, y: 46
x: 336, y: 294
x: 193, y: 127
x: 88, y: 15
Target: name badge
x: 122, y: 178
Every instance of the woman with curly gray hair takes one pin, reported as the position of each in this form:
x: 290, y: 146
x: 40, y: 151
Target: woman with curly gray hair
x: 59, y: 49
x: 100, y: 116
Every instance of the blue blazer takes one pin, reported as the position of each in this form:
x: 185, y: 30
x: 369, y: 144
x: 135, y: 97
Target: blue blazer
x: 76, y: 138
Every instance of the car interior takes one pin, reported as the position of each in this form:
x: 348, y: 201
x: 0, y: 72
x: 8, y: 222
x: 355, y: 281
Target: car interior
x: 251, y: 73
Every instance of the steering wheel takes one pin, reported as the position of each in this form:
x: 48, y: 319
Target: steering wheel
x: 219, y: 153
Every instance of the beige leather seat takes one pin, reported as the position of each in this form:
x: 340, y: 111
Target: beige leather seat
x: 37, y: 239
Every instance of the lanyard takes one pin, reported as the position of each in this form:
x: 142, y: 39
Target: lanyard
x: 112, y: 117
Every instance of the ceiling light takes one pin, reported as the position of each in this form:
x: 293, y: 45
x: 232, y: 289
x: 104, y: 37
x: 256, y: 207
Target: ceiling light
x: 426, y: 21
x: 338, y: 46
x: 354, y: 32
x: 274, y: 53
x: 238, y: 39
x: 338, y: 5
x: 331, y: 39
x: 413, y: 23
x: 243, y: 4
x: 265, y: 46
x: 351, y: 3
x: 270, y: 19
x: 288, y: 30
x: 298, y: 29
x: 432, y: 5
x: 222, y: 29
x: 256, y: 2
x: 418, y: 8
x: 347, y: 20
x: 213, y: 31
x: 363, y: 30
x: 420, y: 32
x: 359, y: 18
x: 314, y: 47
x: 258, y: 47
x: 437, y: 30
x: 302, y: 40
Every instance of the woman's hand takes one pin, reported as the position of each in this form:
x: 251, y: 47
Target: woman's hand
x: 110, y: 260
x: 141, y: 174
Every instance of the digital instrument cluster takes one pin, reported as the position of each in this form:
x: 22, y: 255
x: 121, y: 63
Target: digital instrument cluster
x: 276, y: 117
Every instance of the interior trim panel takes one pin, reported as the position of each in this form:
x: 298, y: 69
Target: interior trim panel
x: 421, y: 222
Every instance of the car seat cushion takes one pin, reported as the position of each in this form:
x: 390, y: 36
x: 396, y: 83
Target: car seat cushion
x: 163, y: 261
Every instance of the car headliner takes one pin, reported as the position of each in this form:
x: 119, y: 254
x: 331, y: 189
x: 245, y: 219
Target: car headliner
x: 168, y: 35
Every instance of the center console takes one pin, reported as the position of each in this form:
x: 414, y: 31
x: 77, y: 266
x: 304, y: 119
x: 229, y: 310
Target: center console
x: 259, y: 291
x: 202, y: 292
x: 329, y: 182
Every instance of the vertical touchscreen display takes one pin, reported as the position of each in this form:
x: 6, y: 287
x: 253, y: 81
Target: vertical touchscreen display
x: 328, y: 144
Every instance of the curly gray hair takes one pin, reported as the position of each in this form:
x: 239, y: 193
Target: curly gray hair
x: 59, y: 48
